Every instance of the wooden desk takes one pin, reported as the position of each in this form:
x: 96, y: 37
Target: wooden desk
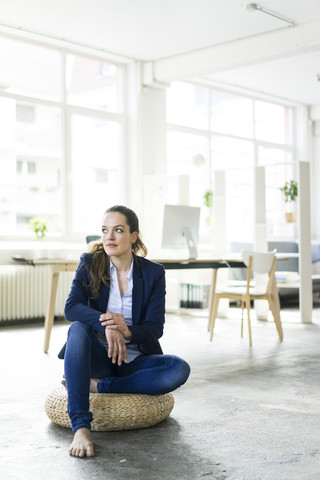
x: 58, y: 266
x: 213, y: 264
x: 56, y: 269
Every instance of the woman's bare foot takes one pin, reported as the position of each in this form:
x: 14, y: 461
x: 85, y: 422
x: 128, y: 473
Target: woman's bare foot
x: 81, y: 445
x: 93, y: 385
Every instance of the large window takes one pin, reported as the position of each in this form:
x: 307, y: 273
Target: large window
x: 30, y: 69
x: 61, y: 124
x: 233, y: 133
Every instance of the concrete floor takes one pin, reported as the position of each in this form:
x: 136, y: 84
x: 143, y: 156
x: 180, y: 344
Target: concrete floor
x: 245, y: 413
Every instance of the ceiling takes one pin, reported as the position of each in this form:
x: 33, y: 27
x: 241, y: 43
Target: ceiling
x: 216, y: 41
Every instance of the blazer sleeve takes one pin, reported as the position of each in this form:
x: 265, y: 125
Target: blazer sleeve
x: 149, y: 328
x: 79, y: 306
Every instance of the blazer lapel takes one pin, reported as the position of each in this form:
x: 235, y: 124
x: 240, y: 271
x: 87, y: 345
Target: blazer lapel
x: 137, y: 293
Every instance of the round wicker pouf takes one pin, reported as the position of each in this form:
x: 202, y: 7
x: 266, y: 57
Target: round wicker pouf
x: 112, y: 411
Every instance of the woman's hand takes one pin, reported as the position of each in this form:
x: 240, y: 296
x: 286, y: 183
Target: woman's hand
x: 115, y: 321
x: 117, y: 349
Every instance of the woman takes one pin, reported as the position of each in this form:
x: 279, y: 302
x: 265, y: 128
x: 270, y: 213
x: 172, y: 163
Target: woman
x: 116, y: 305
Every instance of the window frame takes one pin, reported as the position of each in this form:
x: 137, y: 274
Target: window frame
x: 209, y: 134
x: 67, y: 110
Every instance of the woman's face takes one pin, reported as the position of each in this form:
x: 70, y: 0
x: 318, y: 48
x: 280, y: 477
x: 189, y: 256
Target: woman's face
x: 116, y: 237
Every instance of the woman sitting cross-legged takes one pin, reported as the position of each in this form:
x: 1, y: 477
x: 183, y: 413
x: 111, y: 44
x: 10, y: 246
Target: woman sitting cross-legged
x: 117, y: 308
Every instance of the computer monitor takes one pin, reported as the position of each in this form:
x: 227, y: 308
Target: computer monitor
x: 181, y: 228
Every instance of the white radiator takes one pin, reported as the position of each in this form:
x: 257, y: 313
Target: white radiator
x: 24, y: 291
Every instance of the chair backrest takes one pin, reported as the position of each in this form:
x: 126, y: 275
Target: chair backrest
x: 261, y: 261
x: 292, y: 263
x: 92, y: 238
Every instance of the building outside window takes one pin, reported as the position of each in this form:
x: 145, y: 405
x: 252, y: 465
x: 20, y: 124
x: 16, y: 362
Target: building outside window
x: 233, y: 133
x: 61, y: 142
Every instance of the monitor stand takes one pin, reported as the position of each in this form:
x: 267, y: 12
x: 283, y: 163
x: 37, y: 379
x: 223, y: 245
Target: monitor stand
x: 193, y: 253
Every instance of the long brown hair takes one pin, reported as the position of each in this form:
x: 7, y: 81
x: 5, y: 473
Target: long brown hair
x: 100, y: 266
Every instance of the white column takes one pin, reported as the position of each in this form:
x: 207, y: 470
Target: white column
x: 305, y: 265
x: 220, y: 211
x: 153, y: 130
x: 315, y: 174
x: 145, y: 142
x: 219, y: 207
x: 260, y: 228
x: 183, y: 189
x: 152, y: 163
x: 131, y: 169
x: 260, y: 235
x: 303, y: 136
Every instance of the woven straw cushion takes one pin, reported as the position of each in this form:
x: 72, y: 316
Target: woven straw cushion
x: 112, y: 411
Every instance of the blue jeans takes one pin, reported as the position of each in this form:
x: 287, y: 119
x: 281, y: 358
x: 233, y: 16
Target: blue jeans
x: 86, y: 358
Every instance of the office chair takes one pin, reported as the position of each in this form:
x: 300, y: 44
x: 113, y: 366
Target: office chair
x: 92, y: 238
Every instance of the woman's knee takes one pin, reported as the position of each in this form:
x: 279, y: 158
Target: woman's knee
x: 176, y: 372
x: 78, y: 330
x: 181, y: 367
x: 79, y: 341
x: 79, y: 326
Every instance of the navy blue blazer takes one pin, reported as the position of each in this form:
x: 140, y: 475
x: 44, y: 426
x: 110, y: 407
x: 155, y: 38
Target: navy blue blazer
x: 148, y: 302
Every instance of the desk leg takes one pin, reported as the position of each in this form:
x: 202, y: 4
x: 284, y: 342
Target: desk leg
x: 275, y: 308
x: 211, y: 297
x: 48, y: 323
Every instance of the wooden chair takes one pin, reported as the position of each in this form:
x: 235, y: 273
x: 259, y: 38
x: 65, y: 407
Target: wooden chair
x: 257, y: 263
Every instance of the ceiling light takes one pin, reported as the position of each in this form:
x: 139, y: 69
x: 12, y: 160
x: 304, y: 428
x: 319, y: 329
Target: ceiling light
x: 254, y: 6
x: 198, y: 160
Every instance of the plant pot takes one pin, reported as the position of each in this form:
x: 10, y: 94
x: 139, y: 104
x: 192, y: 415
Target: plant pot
x: 291, y: 217
x: 209, y: 221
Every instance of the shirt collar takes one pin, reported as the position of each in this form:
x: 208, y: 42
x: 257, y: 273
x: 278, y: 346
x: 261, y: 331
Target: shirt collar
x: 130, y: 273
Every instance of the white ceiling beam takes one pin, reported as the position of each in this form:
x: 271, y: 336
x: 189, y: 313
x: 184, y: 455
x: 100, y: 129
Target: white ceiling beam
x: 239, y: 53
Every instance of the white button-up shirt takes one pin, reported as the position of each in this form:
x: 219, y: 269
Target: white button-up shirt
x: 118, y: 304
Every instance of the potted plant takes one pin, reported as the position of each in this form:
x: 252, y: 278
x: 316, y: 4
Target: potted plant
x: 290, y: 193
x: 208, y: 202
x: 39, y: 226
